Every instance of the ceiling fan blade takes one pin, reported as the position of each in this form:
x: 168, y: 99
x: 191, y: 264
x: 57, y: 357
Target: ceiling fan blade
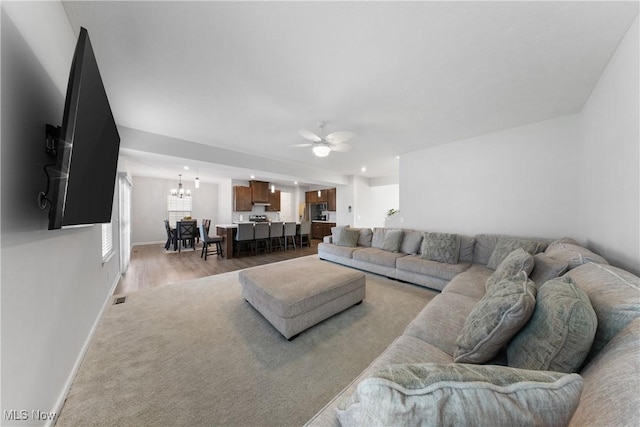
x: 309, y: 135
x: 338, y: 137
x: 306, y: 144
x: 342, y: 147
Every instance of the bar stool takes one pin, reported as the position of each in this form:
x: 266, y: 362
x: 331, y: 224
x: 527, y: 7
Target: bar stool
x: 305, y: 232
x: 244, y: 235
x: 276, y: 232
x: 210, y: 240
x: 289, y: 232
x: 261, y: 235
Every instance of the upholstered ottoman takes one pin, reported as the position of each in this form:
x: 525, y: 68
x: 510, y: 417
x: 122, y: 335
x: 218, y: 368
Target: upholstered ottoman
x: 297, y: 294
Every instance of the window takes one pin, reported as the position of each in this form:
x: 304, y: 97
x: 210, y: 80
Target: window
x: 107, y: 241
x: 178, y: 208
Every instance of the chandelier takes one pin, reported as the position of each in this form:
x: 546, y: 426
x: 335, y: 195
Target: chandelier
x: 180, y: 192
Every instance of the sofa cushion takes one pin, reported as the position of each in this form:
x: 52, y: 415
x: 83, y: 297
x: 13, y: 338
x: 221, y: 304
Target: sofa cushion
x: 441, y: 247
x: 377, y: 256
x: 560, y: 333
x: 504, y: 309
x: 411, y: 242
x: 615, y: 296
x: 450, y: 394
x: 507, y: 245
x: 440, y: 322
x: 392, y: 240
x: 467, y: 244
x: 485, y: 244
x: 611, y: 383
x: 546, y: 268
x: 417, y: 264
x: 348, y: 237
x: 331, y: 249
x: 470, y: 283
x: 514, y: 263
x: 574, y: 255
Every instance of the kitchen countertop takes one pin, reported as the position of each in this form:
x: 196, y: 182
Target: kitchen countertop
x: 323, y: 222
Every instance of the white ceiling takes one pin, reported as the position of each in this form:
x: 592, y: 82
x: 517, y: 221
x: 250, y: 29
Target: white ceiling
x: 245, y: 76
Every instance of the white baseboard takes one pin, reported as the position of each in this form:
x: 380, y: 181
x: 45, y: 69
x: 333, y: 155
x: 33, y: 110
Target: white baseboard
x: 76, y: 366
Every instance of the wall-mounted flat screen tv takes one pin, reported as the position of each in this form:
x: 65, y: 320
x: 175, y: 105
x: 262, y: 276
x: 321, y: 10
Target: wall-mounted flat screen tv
x: 88, y: 147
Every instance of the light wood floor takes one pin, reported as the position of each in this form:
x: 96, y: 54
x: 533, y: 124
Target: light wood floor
x: 152, y: 266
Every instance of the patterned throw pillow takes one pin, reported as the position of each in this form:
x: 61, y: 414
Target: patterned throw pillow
x: 503, y: 310
x: 457, y: 394
x: 546, y: 268
x: 560, y: 333
x: 574, y: 255
x: 392, y: 240
x: 507, y: 245
x: 348, y: 237
x: 516, y: 262
x: 441, y: 247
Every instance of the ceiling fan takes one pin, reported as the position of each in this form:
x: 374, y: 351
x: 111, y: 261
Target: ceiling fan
x: 322, y: 146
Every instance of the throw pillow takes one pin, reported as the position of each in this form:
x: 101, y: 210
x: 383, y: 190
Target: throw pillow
x: 514, y: 263
x: 507, y: 245
x: 441, y: 247
x: 574, y: 255
x: 336, y: 231
x: 378, y: 237
x: 392, y: 240
x: 365, y: 237
x: 461, y: 394
x: 348, y: 237
x: 560, y: 333
x: 546, y: 268
x: 411, y: 242
x: 495, y: 319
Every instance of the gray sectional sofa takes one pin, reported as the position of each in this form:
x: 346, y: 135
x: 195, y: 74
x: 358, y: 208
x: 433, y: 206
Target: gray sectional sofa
x: 574, y: 358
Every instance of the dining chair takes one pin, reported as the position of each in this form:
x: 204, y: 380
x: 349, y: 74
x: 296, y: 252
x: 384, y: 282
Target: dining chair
x: 186, y: 233
x: 244, y: 235
x: 261, y: 235
x: 171, y: 236
x: 208, y: 241
x: 305, y: 233
x: 207, y: 224
x: 289, y: 233
x: 276, y: 231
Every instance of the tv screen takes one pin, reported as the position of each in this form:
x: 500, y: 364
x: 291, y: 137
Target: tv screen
x: 87, y: 155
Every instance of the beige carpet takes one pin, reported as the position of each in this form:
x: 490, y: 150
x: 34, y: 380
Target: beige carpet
x: 195, y: 354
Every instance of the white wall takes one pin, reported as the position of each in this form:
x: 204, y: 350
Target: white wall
x: 54, y: 284
x: 149, y: 206
x: 572, y: 176
x: 518, y: 181
x: 610, y: 159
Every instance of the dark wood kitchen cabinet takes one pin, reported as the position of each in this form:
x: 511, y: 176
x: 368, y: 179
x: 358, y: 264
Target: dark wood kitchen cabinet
x: 242, y: 199
x: 321, y: 229
x: 274, y: 202
x: 331, y: 200
x: 259, y: 191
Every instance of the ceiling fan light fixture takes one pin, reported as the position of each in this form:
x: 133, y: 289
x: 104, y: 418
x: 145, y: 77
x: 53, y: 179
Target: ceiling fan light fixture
x: 321, y: 150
